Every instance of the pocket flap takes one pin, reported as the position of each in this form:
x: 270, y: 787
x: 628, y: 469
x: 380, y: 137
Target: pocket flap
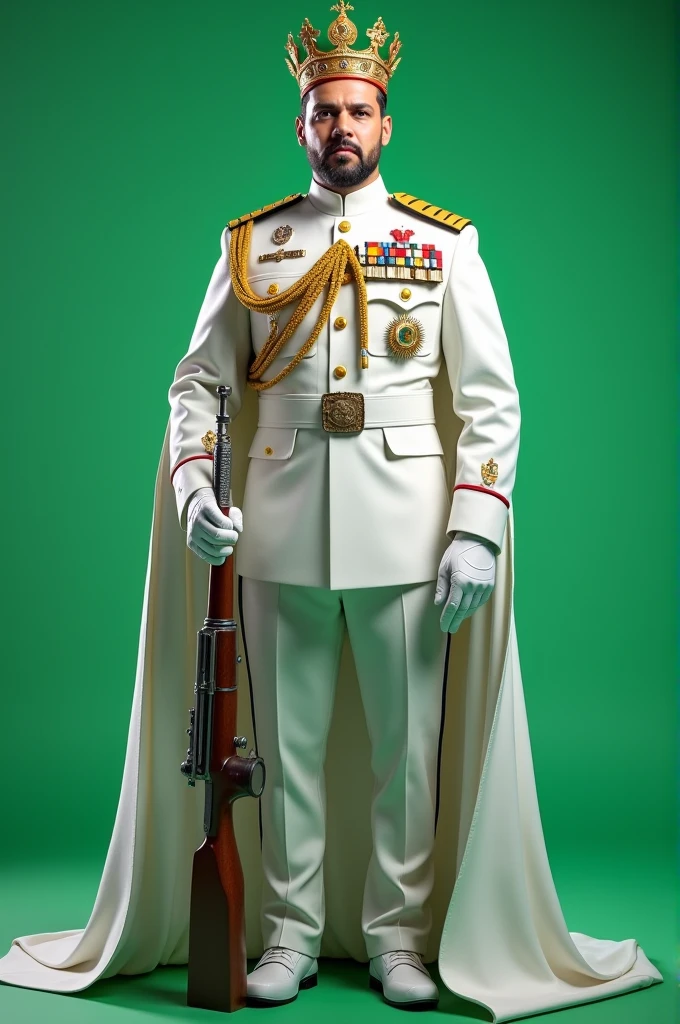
x: 421, y: 439
x: 420, y: 292
x: 273, y: 443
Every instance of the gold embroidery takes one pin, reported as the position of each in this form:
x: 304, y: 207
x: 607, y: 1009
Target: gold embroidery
x: 287, y: 201
x: 453, y: 221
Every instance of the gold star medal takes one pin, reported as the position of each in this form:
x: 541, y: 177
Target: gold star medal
x: 405, y: 336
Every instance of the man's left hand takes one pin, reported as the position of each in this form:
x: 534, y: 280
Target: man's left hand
x: 466, y: 578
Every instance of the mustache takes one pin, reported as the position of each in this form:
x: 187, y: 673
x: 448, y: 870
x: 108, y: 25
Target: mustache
x: 343, y: 145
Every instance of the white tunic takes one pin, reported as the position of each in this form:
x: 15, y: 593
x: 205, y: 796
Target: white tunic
x: 328, y: 509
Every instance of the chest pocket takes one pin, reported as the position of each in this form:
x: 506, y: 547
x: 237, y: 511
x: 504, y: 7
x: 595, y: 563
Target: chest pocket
x: 386, y: 306
x: 259, y: 322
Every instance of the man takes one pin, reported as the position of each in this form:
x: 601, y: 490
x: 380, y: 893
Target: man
x: 346, y: 524
x: 347, y: 519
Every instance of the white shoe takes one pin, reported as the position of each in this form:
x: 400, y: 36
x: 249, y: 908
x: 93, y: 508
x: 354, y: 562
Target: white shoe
x: 403, y: 980
x: 278, y: 975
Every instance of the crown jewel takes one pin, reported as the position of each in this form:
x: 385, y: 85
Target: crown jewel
x: 342, y: 62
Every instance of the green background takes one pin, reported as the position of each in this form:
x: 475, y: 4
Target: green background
x: 133, y: 131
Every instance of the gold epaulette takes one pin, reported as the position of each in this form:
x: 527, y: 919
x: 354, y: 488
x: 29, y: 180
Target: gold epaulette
x: 452, y: 221
x: 278, y: 205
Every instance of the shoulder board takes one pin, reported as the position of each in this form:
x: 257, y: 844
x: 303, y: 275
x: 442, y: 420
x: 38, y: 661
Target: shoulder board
x: 278, y: 205
x: 452, y: 221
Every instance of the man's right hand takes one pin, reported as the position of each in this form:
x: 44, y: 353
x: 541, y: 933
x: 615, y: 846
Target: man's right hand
x: 211, y: 534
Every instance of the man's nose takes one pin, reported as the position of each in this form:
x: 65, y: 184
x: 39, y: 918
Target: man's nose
x: 343, y: 124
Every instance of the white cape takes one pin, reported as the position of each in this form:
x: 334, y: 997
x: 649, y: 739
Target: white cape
x: 497, y: 924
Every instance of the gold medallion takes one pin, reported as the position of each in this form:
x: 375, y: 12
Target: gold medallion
x: 282, y: 234
x: 405, y: 336
x: 490, y: 472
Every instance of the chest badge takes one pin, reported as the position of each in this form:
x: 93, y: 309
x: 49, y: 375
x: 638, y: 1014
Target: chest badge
x: 282, y: 254
x: 282, y: 234
x: 405, y: 336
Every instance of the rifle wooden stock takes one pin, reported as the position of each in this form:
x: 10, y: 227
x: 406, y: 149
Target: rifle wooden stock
x: 217, y: 939
x: 217, y: 948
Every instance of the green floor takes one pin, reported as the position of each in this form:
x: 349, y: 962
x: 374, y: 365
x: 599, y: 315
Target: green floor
x: 612, y: 899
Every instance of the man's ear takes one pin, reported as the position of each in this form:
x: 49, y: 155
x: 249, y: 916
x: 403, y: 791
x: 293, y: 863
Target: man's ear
x: 386, y: 129
x: 300, y: 131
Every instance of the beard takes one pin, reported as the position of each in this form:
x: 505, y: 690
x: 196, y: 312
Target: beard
x: 344, y: 174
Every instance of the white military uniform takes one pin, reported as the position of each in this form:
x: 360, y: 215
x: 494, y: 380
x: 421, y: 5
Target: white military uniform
x: 498, y: 930
x: 349, y: 528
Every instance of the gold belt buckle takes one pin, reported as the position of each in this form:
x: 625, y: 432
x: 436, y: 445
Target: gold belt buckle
x: 342, y: 412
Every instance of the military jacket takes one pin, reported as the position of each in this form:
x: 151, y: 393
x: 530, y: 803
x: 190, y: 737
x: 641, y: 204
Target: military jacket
x: 367, y: 508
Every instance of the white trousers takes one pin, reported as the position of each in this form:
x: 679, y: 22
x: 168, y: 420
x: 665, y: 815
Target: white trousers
x: 293, y: 636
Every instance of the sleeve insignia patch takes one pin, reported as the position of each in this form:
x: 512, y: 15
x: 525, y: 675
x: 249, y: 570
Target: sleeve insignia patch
x: 209, y: 441
x: 278, y: 205
x: 452, y: 221
x: 489, y: 472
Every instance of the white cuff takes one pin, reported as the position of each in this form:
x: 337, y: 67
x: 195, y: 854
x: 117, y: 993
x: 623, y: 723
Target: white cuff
x: 187, y: 480
x: 479, y: 513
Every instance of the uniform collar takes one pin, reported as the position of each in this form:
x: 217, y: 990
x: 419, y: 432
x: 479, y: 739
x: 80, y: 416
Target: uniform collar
x: 361, y: 201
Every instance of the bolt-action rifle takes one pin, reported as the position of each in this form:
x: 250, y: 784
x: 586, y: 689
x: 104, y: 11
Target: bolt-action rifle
x: 217, y: 944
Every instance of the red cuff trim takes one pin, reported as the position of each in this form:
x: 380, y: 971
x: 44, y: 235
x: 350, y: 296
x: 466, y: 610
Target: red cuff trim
x: 484, y: 490
x: 190, y: 458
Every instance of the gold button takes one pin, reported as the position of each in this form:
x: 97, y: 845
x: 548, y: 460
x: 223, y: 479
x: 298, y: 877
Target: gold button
x: 347, y: 277
x: 273, y: 289
x: 344, y: 226
x: 268, y: 450
x: 405, y: 293
x: 340, y: 323
x: 340, y: 372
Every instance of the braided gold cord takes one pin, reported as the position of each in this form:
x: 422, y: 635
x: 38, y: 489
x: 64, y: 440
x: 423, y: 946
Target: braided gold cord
x: 328, y: 271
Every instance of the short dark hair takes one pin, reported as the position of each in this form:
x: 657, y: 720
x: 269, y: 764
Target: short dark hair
x: 380, y: 96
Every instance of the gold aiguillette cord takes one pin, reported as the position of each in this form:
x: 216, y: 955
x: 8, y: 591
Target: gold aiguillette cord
x: 328, y: 270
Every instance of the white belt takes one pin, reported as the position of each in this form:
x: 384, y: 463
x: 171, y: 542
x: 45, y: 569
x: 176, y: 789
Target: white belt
x: 408, y: 409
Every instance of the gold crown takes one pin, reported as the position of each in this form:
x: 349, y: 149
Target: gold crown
x: 342, y: 62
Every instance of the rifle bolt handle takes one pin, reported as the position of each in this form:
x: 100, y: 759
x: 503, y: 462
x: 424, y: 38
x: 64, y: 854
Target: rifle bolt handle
x: 241, y: 742
x: 239, y: 659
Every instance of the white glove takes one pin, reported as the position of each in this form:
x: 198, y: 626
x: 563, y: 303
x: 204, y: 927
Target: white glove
x: 211, y: 534
x: 466, y: 577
